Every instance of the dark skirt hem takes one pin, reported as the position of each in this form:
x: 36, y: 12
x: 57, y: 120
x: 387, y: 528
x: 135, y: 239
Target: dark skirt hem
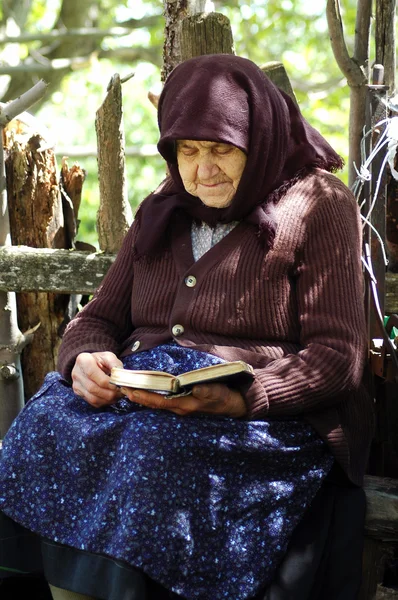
x: 323, y: 561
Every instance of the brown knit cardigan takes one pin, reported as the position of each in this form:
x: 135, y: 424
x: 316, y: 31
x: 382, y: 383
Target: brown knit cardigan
x: 295, y: 312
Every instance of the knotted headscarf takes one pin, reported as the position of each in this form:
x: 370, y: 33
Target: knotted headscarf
x: 225, y: 98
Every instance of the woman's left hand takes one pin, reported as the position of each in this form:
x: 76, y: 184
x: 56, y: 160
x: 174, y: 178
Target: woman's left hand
x: 212, y: 398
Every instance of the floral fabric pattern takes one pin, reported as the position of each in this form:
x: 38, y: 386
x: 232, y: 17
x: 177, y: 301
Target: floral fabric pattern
x: 205, y: 237
x: 204, y: 505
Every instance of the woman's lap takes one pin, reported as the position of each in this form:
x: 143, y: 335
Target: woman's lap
x: 160, y: 492
x: 323, y: 560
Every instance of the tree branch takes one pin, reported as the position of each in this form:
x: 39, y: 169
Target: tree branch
x: 350, y: 68
x: 129, y: 55
x: 85, y: 32
x: 58, y: 64
x: 17, y: 10
x: 28, y: 99
x: 306, y: 87
x: 362, y: 33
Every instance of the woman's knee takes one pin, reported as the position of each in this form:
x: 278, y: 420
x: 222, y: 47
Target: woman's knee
x: 61, y: 594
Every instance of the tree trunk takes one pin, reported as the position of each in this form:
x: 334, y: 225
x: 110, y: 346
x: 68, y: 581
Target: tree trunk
x: 354, y: 69
x: 385, y: 40
x: 114, y: 215
x: 36, y: 219
x: 385, y: 55
x: 356, y: 125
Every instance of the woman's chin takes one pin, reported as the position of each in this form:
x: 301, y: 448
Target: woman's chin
x: 214, y: 202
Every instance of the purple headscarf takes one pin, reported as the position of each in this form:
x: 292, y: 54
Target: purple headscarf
x: 225, y: 98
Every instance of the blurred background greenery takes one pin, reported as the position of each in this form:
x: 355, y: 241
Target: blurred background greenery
x: 292, y: 31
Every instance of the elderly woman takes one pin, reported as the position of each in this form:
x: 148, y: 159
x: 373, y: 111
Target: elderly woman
x: 249, y: 250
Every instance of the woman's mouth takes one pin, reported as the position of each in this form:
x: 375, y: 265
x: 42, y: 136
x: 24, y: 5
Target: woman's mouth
x: 212, y: 185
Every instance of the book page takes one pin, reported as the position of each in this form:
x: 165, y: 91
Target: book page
x: 147, y: 380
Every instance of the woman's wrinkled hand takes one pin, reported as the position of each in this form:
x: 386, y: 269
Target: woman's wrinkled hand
x: 90, y: 378
x: 213, y: 398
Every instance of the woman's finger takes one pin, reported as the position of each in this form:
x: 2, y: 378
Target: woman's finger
x: 213, y: 399
x: 90, y: 378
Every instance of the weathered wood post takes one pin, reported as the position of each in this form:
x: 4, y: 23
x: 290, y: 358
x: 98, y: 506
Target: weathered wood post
x: 192, y: 29
x: 206, y: 33
x: 11, y: 338
x: 114, y: 214
x: 37, y: 220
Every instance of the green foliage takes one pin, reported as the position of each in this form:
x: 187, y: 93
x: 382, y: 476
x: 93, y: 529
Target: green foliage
x: 73, y: 123
x: 42, y: 15
x: 293, y: 31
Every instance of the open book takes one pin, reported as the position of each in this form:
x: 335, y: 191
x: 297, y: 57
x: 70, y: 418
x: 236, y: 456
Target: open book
x: 159, y: 381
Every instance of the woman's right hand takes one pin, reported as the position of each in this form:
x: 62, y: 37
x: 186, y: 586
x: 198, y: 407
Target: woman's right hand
x: 90, y: 378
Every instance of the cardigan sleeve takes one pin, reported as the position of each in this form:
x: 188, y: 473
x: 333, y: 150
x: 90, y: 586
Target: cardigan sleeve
x: 330, y: 302
x: 105, y: 321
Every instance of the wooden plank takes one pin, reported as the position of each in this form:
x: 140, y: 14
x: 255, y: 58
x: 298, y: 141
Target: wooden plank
x: 43, y: 269
x: 383, y: 593
x: 382, y: 508
x: 25, y: 269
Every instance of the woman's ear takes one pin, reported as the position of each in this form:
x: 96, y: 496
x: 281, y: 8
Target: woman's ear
x: 154, y: 99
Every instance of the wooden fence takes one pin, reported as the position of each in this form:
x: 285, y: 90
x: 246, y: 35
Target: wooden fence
x: 70, y: 271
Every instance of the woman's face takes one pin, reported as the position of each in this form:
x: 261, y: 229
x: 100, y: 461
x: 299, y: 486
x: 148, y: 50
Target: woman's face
x: 210, y: 170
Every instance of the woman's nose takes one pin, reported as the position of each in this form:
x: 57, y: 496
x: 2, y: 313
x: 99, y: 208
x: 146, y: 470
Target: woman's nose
x: 207, y: 168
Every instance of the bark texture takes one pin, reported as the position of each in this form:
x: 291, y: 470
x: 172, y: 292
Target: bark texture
x: 354, y: 69
x: 392, y: 224
x: 385, y: 55
x: 174, y: 12
x: 23, y: 269
x: 385, y: 40
x: 66, y: 271
x: 36, y: 219
x: 71, y: 185
x: 277, y: 73
x: 206, y: 34
x: 114, y: 216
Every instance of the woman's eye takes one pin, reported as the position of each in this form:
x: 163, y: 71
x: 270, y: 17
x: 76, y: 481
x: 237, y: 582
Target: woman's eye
x: 188, y: 151
x: 223, y: 151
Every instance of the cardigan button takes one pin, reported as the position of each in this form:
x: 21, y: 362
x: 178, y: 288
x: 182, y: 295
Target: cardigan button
x: 190, y: 281
x: 135, y: 346
x: 177, y: 330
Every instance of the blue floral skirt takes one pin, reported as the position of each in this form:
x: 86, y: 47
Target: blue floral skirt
x: 205, y: 506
